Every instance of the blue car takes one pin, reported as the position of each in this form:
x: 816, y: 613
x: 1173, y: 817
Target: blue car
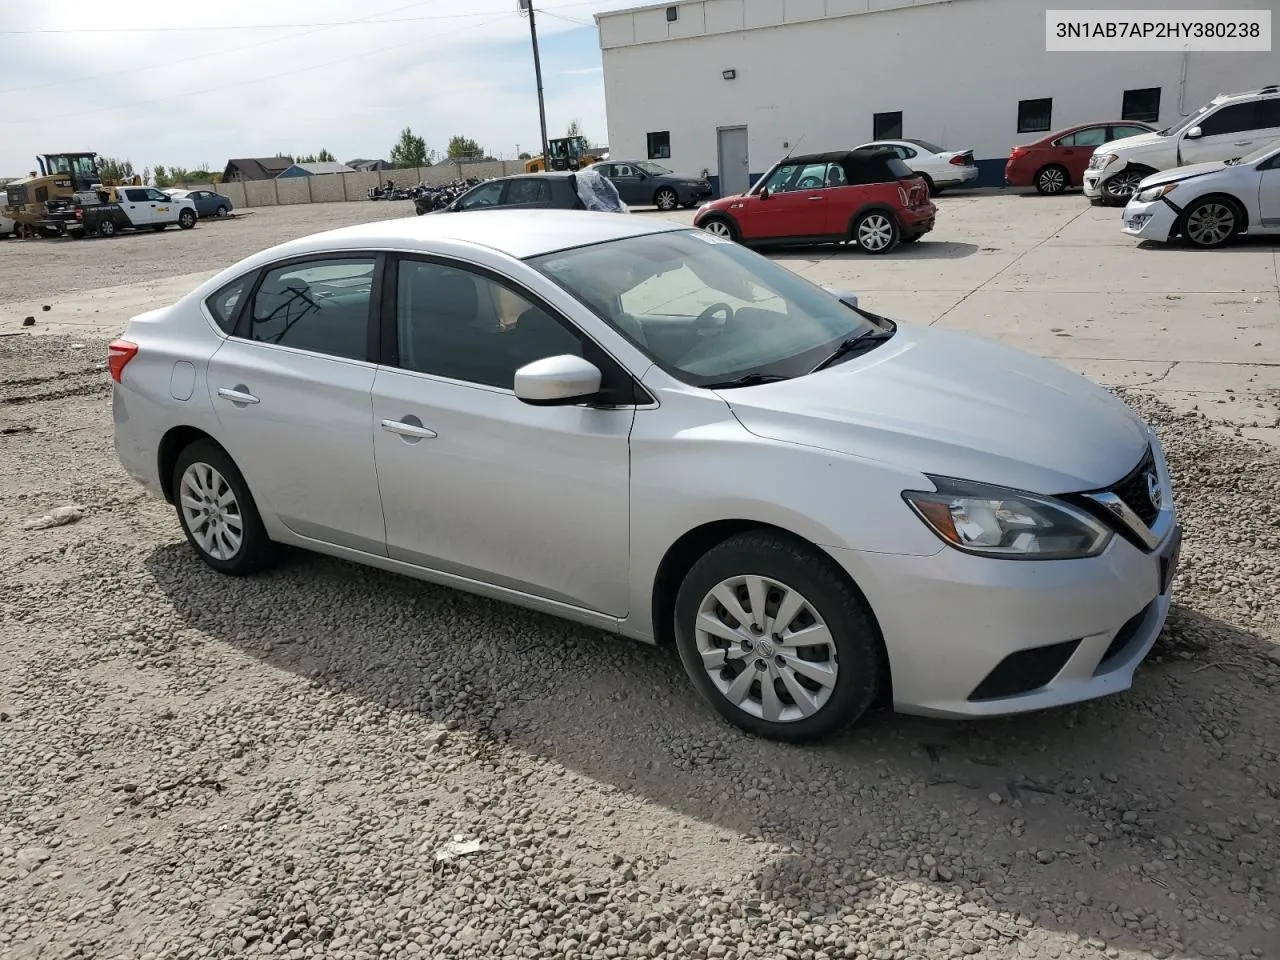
x: 208, y: 203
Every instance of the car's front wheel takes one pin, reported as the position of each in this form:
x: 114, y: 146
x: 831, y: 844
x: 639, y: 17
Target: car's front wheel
x: 187, y: 219
x: 217, y: 511
x: 1210, y: 222
x: 776, y: 639
x: 875, y: 232
x: 1122, y: 186
x: 666, y: 199
x: 720, y: 227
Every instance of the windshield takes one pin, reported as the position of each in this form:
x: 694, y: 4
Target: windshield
x: 1186, y: 123
x: 653, y: 169
x: 705, y: 309
x: 926, y: 145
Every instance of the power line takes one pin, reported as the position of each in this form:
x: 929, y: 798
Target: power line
x: 549, y: 12
x: 199, y: 56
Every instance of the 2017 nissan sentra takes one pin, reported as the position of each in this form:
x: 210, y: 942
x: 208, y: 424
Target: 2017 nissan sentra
x: 657, y: 432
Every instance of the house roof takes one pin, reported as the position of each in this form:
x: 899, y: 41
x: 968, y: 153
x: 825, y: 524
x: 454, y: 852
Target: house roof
x: 260, y: 168
x: 315, y: 169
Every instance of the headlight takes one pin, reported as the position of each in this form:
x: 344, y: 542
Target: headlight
x: 1155, y: 193
x: 1101, y: 160
x: 998, y: 522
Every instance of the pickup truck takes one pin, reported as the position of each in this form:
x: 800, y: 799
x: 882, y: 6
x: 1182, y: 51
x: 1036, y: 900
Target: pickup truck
x: 122, y: 208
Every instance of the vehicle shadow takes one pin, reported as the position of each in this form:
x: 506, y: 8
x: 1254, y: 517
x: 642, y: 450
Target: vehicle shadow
x: 1098, y: 820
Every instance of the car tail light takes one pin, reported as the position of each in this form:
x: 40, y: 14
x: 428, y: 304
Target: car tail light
x: 962, y: 159
x: 119, y: 353
x: 79, y: 214
x: 1018, y: 152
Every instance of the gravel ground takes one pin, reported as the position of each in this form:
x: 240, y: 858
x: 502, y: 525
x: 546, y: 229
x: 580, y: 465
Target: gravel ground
x: 197, y: 767
x: 36, y: 269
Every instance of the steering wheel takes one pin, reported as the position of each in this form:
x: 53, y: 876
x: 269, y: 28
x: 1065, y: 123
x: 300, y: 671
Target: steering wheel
x: 809, y: 183
x: 704, y: 323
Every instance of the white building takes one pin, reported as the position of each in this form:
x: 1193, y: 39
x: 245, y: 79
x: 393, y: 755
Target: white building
x: 730, y: 85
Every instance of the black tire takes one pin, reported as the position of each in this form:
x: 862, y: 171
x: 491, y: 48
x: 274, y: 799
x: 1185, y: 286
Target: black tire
x: 158, y: 227
x: 1119, y: 187
x: 875, y: 232
x: 255, y: 551
x: 222, y: 210
x: 1210, y: 222
x: 729, y: 231
x: 666, y: 199
x: 186, y: 219
x: 1052, y: 179
x: 929, y: 184
x: 856, y: 637
x: 106, y: 229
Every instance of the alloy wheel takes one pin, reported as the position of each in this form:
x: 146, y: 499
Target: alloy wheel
x: 1123, y: 184
x: 211, y: 511
x: 1051, y: 180
x: 719, y: 228
x: 766, y: 648
x: 1210, y: 224
x: 875, y: 232
x: 667, y: 200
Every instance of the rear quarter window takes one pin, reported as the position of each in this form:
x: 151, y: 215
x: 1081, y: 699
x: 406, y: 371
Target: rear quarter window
x: 225, y: 305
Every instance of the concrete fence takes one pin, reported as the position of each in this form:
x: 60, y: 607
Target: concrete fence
x: 337, y: 187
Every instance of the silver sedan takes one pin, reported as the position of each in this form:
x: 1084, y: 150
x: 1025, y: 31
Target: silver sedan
x: 657, y: 432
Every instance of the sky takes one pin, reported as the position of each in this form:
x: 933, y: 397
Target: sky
x: 156, y: 82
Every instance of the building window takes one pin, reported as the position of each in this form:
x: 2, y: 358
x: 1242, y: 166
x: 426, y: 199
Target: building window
x: 887, y: 126
x: 1141, y: 105
x: 673, y: 13
x: 1035, y: 116
x: 660, y: 145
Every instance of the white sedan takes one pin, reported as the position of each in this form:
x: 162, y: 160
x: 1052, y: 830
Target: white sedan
x: 1208, y: 204
x: 940, y: 168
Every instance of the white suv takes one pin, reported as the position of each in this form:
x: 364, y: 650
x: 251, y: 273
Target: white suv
x: 1228, y: 126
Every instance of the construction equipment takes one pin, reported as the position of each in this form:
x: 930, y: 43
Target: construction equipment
x: 567, y: 153
x: 63, y: 179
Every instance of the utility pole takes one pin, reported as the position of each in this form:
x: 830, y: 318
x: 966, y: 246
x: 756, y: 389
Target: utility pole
x: 537, y: 72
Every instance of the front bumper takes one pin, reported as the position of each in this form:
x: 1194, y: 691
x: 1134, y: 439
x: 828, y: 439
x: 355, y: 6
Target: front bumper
x: 971, y: 636
x: 694, y: 193
x: 1149, y: 221
x: 1092, y: 183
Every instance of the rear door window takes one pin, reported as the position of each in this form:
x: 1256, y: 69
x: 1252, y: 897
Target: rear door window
x: 318, y: 305
x: 1092, y: 137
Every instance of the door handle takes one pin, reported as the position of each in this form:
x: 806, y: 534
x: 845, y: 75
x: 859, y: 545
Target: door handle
x: 417, y: 431
x: 236, y: 395
x: 815, y: 198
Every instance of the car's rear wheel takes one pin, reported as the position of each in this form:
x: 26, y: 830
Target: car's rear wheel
x: 217, y: 511
x: 1210, y: 222
x: 929, y: 184
x: 222, y: 210
x: 720, y: 227
x: 106, y: 228
x: 776, y: 639
x: 187, y: 219
x: 666, y: 199
x: 1051, y: 180
x: 875, y: 232
x: 1119, y: 188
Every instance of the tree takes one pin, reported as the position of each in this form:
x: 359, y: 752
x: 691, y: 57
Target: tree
x: 111, y: 168
x: 409, y: 151
x: 464, y: 148
x: 162, y: 175
x: 525, y: 156
x: 324, y: 156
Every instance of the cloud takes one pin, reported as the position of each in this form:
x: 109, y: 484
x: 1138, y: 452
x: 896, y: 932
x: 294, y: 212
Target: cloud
x: 188, y: 97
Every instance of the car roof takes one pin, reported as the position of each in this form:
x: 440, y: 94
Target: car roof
x: 837, y: 156
x: 517, y: 233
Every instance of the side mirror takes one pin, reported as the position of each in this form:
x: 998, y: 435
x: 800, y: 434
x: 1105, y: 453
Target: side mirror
x: 764, y: 193
x: 844, y: 296
x: 1195, y: 133
x: 556, y: 381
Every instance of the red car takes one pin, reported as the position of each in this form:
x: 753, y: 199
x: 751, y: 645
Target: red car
x: 868, y: 196
x: 1058, y: 161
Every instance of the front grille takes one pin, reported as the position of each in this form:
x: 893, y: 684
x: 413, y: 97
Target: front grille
x: 1024, y: 671
x: 1133, y: 490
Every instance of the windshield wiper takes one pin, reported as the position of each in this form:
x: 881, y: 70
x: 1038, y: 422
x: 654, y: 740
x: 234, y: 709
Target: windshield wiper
x: 855, y: 344
x: 750, y: 380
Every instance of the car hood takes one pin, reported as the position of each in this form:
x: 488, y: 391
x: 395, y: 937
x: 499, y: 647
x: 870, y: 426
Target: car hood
x: 1174, y: 174
x: 943, y: 403
x: 1136, y: 142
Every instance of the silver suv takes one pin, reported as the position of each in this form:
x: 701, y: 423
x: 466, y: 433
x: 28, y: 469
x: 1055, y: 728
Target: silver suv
x: 1230, y: 125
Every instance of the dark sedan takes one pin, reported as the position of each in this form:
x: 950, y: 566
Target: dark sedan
x: 642, y: 182
x: 554, y: 190
x: 208, y: 203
